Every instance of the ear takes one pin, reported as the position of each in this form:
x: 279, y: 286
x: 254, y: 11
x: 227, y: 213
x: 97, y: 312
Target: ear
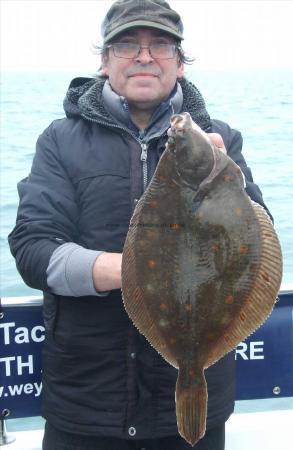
x: 180, y: 70
x: 104, y: 66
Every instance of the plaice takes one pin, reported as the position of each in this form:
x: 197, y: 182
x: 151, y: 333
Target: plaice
x: 201, y: 265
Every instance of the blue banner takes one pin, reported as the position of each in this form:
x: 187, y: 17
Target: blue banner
x: 264, y: 360
x: 21, y: 337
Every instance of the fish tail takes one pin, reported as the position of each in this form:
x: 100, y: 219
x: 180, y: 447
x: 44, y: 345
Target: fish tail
x: 191, y: 405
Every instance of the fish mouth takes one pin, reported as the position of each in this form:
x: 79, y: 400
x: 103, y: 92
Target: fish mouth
x: 170, y: 144
x: 178, y: 122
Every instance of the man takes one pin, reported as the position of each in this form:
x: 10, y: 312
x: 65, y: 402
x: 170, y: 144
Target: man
x: 104, y: 386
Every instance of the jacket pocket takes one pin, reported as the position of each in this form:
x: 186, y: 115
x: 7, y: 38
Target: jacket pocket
x: 105, y: 209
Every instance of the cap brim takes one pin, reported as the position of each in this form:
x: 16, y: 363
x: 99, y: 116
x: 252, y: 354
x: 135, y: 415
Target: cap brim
x: 142, y: 23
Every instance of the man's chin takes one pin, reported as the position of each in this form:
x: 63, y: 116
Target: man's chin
x: 143, y: 95
x: 144, y: 102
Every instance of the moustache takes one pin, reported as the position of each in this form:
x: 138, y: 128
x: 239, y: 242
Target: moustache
x: 132, y: 71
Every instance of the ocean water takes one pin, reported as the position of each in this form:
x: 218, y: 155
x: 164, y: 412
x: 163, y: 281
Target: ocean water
x: 258, y: 103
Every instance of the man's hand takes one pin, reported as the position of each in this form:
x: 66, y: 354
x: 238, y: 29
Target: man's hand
x: 217, y: 140
x: 107, y: 272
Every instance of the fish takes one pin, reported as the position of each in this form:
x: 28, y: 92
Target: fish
x: 201, y: 264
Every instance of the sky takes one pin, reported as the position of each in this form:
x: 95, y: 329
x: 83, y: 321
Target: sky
x: 220, y: 34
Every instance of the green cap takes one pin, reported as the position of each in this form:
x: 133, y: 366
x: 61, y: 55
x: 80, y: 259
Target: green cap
x: 126, y: 14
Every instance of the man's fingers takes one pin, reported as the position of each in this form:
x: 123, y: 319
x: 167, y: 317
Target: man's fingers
x: 217, y: 140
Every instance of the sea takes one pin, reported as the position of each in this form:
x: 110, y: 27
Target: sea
x: 259, y: 103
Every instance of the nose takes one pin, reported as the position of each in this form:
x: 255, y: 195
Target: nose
x: 144, y: 56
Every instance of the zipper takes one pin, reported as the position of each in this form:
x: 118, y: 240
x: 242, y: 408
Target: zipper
x: 143, y: 158
x: 143, y: 145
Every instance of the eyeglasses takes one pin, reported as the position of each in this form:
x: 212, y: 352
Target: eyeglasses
x: 129, y: 50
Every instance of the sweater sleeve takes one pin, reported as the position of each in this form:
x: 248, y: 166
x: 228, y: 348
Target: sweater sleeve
x: 70, y: 271
x: 47, y: 213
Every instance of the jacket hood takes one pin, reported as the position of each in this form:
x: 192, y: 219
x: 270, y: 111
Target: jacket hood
x: 84, y: 98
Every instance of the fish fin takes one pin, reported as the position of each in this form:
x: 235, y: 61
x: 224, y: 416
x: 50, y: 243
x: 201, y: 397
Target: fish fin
x: 191, y: 405
x: 262, y: 295
x: 266, y: 286
x: 134, y: 298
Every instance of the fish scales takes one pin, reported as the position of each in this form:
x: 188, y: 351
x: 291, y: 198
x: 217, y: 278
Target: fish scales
x: 201, y: 265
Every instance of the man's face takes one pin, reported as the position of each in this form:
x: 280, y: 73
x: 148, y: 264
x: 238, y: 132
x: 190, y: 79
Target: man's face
x: 143, y: 80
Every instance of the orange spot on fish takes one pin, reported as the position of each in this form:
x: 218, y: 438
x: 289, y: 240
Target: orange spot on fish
x: 188, y: 307
x: 215, y: 248
x: 227, y: 338
x: 174, y: 226
x: 151, y: 263
x: 238, y: 212
x: 243, y: 249
x: 229, y: 299
x: 154, y: 204
x: 163, y: 307
x: 227, y: 178
x: 242, y: 316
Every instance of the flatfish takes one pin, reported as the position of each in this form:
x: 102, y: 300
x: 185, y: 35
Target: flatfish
x: 201, y: 265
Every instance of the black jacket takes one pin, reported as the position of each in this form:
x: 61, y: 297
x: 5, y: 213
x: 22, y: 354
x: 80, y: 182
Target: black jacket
x: 100, y: 376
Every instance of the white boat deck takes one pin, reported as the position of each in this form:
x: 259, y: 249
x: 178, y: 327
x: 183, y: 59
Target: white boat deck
x: 260, y: 429
x: 269, y: 430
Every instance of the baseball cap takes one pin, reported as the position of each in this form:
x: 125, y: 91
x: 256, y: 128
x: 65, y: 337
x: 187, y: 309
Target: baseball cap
x: 126, y: 14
